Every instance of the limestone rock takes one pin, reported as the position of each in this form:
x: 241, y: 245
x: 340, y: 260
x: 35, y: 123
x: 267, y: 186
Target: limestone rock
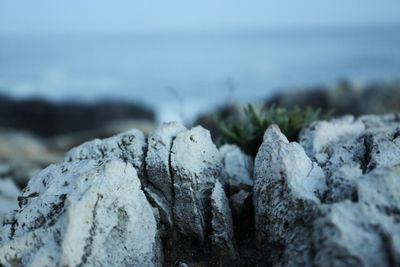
x: 158, y: 157
x: 347, y: 148
x: 129, y: 147
x: 287, y: 191
x: 239, y: 168
x: 82, y: 213
x: 196, y: 164
x: 363, y: 233
x: 354, y: 220
x: 222, y: 225
x: 158, y: 167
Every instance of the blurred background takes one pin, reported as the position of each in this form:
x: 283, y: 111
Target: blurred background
x: 74, y: 70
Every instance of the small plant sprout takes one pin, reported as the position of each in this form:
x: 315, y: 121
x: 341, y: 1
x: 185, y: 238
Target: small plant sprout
x: 246, y: 129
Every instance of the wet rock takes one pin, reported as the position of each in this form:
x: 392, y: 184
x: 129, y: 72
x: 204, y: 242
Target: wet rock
x: 222, y: 225
x: 82, y: 213
x: 239, y: 168
x: 287, y: 191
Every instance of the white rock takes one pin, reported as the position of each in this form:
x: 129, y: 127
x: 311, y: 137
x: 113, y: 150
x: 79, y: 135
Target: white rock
x: 196, y: 164
x: 129, y: 147
x: 319, y: 135
x: 239, y: 168
x: 221, y: 223
x: 366, y: 232
x: 287, y: 191
x: 82, y: 213
x: 159, y: 178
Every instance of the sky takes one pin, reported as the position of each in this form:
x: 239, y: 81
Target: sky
x: 109, y: 16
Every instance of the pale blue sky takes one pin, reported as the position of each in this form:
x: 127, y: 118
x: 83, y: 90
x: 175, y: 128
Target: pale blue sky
x: 57, y: 16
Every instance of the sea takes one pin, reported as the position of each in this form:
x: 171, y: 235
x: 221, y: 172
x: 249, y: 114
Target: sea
x: 180, y: 75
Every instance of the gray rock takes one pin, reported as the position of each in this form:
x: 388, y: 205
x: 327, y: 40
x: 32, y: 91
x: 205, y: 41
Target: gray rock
x: 366, y: 232
x: 196, y: 164
x: 239, y: 202
x: 221, y: 223
x: 354, y: 221
x: 129, y: 147
x: 239, y: 168
x: 347, y: 148
x: 158, y: 167
x: 8, y: 197
x: 287, y: 191
x: 82, y: 213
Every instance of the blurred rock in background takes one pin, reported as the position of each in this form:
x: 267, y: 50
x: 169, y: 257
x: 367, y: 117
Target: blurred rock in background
x: 35, y: 133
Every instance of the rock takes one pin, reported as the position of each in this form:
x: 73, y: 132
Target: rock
x: 8, y: 197
x: 222, y: 225
x: 23, y: 146
x: 239, y: 168
x: 240, y: 202
x: 363, y: 233
x: 353, y: 220
x: 357, y: 146
x: 129, y: 147
x: 82, y: 213
x: 22, y: 155
x: 196, y: 165
x: 343, y: 98
x: 287, y: 191
x: 158, y: 167
x: 20, y: 171
x: 159, y: 157
x: 48, y: 119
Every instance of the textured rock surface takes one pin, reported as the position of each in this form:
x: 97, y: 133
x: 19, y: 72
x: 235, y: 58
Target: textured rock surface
x: 287, y: 189
x: 196, y: 165
x: 158, y: 167
x: 82, y: 213
x: 354, y: 219
x: 174, y: 198
x: 123, y: 201
x: 222, y: 225
x: 239, y: 168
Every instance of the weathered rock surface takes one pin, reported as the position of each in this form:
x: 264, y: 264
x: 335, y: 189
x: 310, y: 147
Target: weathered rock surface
x: 82, y: 213
x: 174, y: 198
x: 196, y: 165
x: 222, y: 224
x: 287, y: 189
x: 239, y: 168
x: 121, y: 201
x: 343, y: 211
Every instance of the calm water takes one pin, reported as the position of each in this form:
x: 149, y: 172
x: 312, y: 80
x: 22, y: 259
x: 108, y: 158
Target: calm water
x: 192, y: 72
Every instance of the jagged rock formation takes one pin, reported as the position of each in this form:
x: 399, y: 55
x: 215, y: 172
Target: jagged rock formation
x: 287, y: 189
x: 339, y: 205
x: 122, y: 201
x: 174, y: 199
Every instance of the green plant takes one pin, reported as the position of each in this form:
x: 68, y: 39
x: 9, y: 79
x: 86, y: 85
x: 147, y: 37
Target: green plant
x: 247, y: 129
